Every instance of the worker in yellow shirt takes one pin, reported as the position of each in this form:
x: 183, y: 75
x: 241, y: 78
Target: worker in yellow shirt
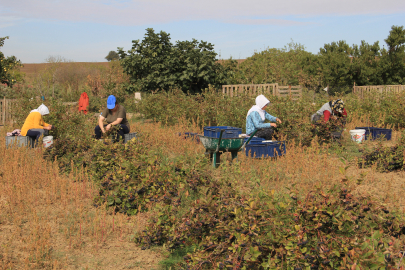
x: 34, y: 126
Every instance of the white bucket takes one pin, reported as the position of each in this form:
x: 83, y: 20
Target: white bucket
x: 358, y: 135
x: 47, y: 141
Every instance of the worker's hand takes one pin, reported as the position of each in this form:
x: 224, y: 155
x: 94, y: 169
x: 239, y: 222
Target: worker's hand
x: 48, y: 127
x: 108, y: 127
x: 273, y: 124
x: 278, y: 120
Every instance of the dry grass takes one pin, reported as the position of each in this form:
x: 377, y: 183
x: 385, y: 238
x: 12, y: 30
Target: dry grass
x: 47, y: 221
x: 35, y: 68
x: 301, y: 169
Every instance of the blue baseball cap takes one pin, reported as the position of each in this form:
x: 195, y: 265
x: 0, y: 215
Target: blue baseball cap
x: 111, y: 100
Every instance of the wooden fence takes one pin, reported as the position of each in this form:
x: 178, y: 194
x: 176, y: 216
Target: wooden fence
x: 5, y: 111
x: 364, y: 90
x: 295, y: 92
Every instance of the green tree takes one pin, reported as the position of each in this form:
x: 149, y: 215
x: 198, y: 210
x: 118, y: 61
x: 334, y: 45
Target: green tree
x: 335, y: 63
x: 157, y: 64
x: 365, y: 64
x: 284, y: 66
x: 112, y: 55
x: 7, y: 64
x: 392, y: 64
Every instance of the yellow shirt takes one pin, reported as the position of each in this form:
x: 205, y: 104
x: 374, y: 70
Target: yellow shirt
x: 33, y: 120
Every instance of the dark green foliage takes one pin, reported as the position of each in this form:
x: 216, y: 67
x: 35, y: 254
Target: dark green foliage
x: 157, y: 64
x: 385, y: 158
x: 325, y: 229
x: 6, y: 66
x: 291, y: 65
x: 337, y: 65
x: 393, y: 59
x: 365, y: 65
x: 112, y: 55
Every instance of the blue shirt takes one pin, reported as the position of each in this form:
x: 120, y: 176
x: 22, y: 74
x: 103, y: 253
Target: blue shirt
x: 254, y: 121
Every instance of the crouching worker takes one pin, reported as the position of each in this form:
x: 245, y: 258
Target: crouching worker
x: 255, y: 119
x: 115, y: 115
x: 333, y: 109
x: 34, y: 125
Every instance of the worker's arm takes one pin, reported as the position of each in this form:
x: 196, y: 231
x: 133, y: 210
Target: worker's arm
x: 116, y: 122
x: 257, y: 121
x: 272, y: 118
x: 326, y: 115
x: 101, y: 123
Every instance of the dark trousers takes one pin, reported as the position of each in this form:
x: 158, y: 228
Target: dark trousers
x: 36, y: 133
x: 265, y: 133
x: 121, y: 131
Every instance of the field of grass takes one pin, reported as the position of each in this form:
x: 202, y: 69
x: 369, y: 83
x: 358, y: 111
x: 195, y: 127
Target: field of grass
x: 157, y: 203
x: 48, y: 220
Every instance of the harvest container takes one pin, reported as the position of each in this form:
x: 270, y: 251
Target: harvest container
x: 376, y: 133
x: 263, y: 150
x: 191, y: 135
x: 229, y: 132
x: 129, y: 136
x: 255, y: 140
x: 358, y: 135
x: 19, y: 141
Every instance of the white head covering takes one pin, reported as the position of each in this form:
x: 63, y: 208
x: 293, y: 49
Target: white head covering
x: 43, y: 110
x: 261, y: 101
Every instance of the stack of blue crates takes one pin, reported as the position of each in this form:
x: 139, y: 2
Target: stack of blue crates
x: 376, y: 133
x: 265, y: 149
x: 229, y: 132
x: 254, y: 140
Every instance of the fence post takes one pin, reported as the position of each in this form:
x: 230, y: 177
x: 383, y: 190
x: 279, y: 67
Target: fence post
x: 4, y: 110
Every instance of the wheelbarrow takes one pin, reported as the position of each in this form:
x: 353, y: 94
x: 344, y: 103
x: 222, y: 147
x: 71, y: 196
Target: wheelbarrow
x: 214, y: 147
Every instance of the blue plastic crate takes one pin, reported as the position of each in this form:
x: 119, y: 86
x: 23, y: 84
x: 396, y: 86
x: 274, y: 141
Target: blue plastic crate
x: 191, y: 135
x: 255, y: 140
x: 229, y: 132
x: 377, y: 133
x: 263, y: 150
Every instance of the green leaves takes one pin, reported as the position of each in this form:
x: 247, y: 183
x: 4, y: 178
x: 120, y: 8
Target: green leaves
x: 7, y: 64
x: 157, y: 64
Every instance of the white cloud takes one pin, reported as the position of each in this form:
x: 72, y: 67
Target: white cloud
x: 8, y: 20
x: 139, y: 12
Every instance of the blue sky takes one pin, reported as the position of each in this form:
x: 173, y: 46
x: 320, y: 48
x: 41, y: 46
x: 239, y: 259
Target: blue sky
x: 86, y: 30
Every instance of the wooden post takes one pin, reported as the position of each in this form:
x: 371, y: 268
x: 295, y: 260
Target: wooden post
x: 4, y: 110
x: 289, y: 91
x: 354, y: 87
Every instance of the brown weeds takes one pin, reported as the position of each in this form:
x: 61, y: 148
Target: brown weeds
x: 47, y: 221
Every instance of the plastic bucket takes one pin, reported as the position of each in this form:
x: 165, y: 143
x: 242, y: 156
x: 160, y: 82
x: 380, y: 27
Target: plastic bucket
x: 358, y: 135
x: 47, y: 141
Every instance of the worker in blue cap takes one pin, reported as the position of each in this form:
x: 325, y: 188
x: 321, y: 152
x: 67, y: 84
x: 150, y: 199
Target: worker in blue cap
x: 114, y: 114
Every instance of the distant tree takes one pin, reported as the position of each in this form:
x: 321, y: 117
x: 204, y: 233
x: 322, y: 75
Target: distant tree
x: 365, y: 64
x: 7, y: 64
x: 393, y: 60
x: 157, y: 64
x: 112, y: 55
x: 289, y: 65
x: 335, y: 63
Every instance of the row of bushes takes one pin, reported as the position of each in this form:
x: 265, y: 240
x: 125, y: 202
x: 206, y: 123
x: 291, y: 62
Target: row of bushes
x: 222, y: 227
x: 212, y: 108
